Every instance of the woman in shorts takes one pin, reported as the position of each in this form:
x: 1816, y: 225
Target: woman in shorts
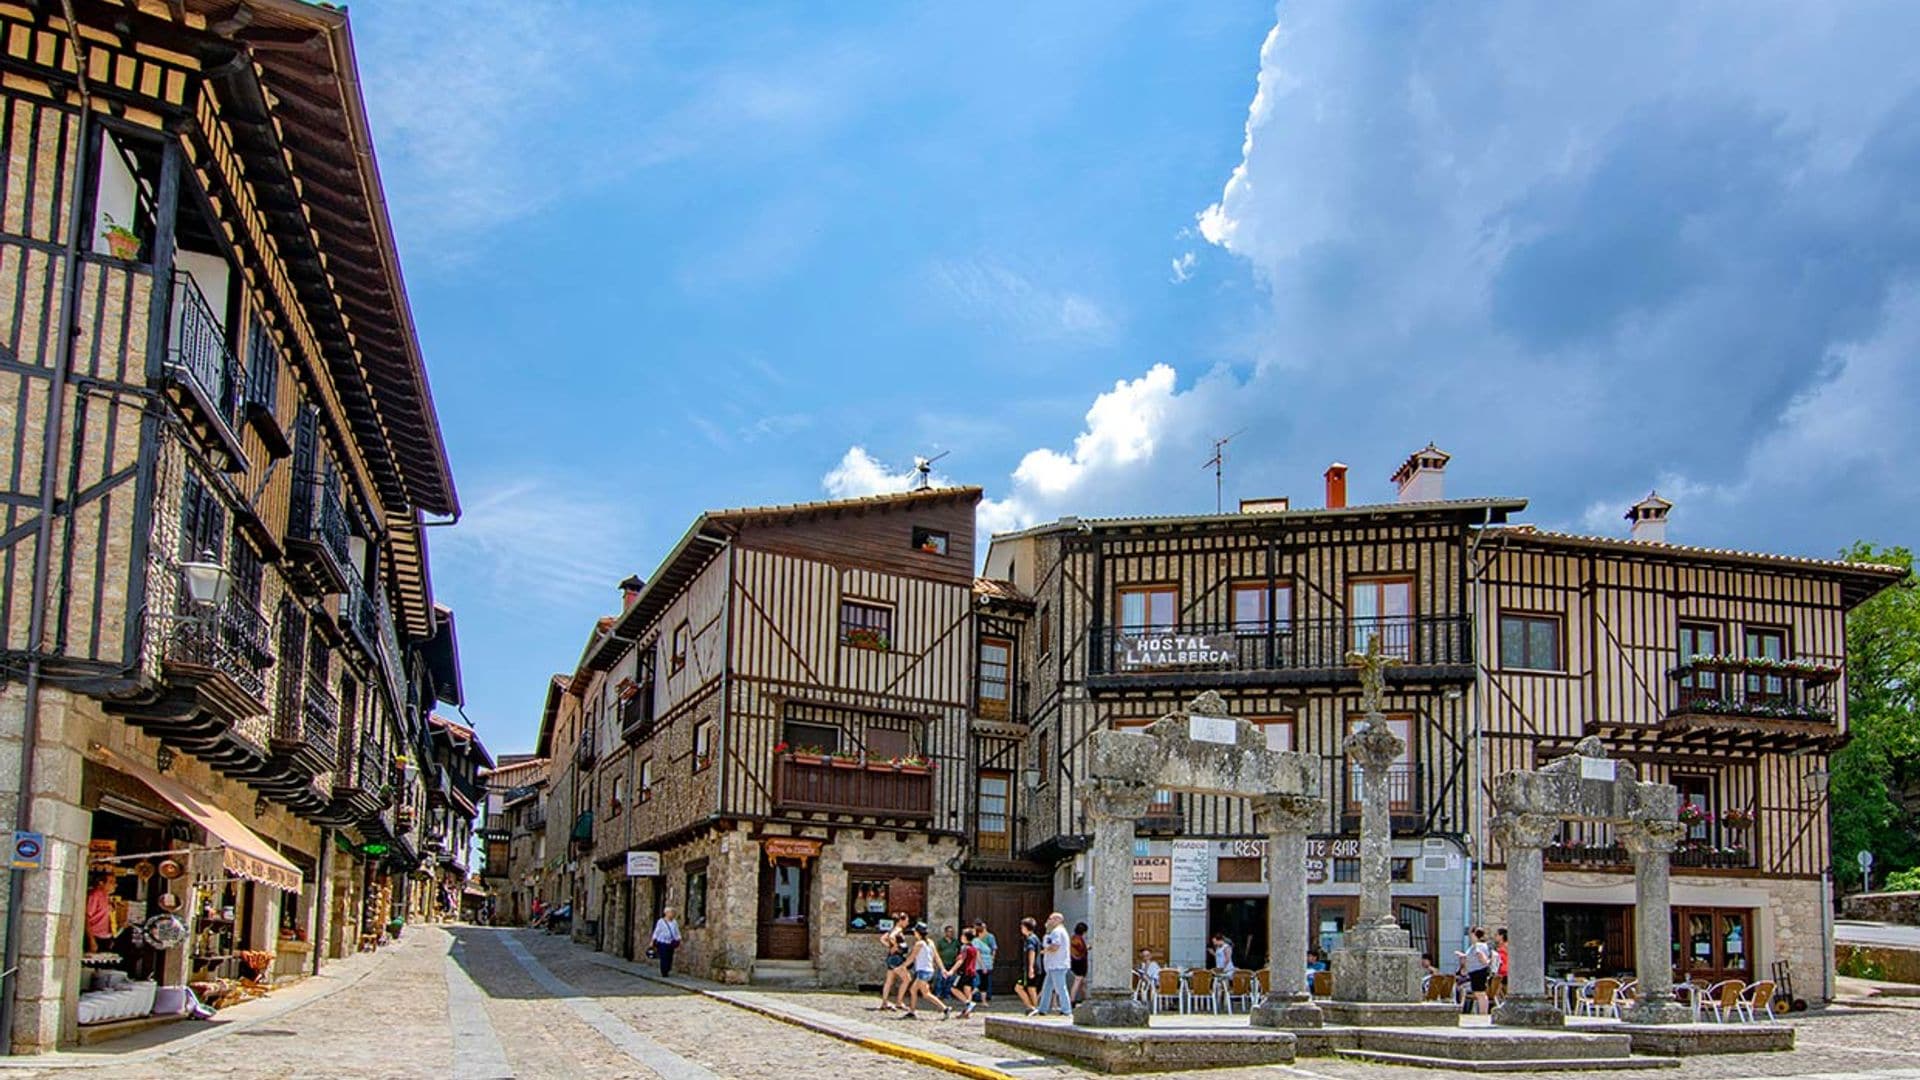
x: 898, y: 980
x: 1026, y: 986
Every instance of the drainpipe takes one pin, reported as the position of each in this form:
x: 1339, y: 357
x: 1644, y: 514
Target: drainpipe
x: 43, y: 540
x: 322, y: 899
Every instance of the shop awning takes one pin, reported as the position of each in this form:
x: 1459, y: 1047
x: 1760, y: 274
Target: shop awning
x: 243, y: 852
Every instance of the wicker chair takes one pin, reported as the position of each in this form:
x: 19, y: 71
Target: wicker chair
x: 1201, y: 991
x: 1601, y: 998
x: 1723, y: 998
x: 1757, y: 999
x: 1167, y: 991
x: 1262, y: 985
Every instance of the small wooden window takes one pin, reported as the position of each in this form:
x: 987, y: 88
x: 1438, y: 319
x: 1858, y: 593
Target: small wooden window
x: 1382, y: 608
x: 695, y: 915
x: 680, y: 636
x: 1239, y: 870
x: 1046, y: 630
x: 618, y: 798
x: 929, y: 541
x: 996, y: 677
x: 1699, y: 639
x: 992, y: 833
x: 1762, y: 643
x: 1531, y: 643
x: 1146, y: 609
x: 1043, y: 759
x: 702, y: 745
x: 815, y: 738
x: 646, y: 780
x: 865, y: 624
x: 886, y: 743
x: 1279, y: 731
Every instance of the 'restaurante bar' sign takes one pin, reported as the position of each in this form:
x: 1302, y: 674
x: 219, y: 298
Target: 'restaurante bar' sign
x: 1146, y: 652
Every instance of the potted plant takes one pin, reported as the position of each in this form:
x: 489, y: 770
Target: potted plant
x: 122, y: 242
x: 1694, y: 815
x: 843, y: 761
x: 913, y: 763
x: 1737, y: 818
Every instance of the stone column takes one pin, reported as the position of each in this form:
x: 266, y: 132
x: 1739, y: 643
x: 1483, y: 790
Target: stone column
x: 1287, y: 819
x: 1112, y: 809
x: 1375, y: 749
x: 1527, y: 1004
x: 1652, y: 844
x: 1376, y: 963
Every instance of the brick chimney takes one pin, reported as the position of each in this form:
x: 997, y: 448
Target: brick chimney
x: 1421, y: 477
x: 1649, y: 518
x: 1337, y: 486
x: 630, y: 590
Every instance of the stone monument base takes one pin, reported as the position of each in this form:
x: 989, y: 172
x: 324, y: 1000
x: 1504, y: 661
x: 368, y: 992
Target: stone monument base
x: 1144, y: 1049
x: 1397, y: 1014
x: 1108, y: 1010
x: 1377, y: 963
x: 1530, y: 1012
x: 1276, y: 1013
x: 1657, y: 1012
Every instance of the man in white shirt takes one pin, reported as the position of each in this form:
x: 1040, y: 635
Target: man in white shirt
x: 1055, y: 960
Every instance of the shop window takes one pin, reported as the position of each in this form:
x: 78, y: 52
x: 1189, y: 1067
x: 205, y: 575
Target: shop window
x: 702, y: 745
x: 1530, y: 643
x: 929, y: 541
x: 876, y: 893
x: 1346, y: 870
x: 695, y: 915
x: 865, y: 624
x: 1400, y: 870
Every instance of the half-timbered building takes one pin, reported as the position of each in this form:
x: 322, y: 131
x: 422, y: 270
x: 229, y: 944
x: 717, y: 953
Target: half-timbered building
x: 219, y: 450
x: 513, y: 832
x: 1720, y: 672
x: 793, y: 688
x: 1132, y: 617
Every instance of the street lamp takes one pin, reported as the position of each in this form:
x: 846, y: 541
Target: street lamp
x: 208, y: 581
x: 1815, y: 781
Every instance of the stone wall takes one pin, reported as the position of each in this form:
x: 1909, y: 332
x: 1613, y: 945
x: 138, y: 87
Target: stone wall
x: 1886, y: 907
x: 1880, y: 962
x: 846, y: 958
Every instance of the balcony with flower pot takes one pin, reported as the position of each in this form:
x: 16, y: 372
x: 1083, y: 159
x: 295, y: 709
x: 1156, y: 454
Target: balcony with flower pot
x: 813, y: 779
x: 1770, y: 704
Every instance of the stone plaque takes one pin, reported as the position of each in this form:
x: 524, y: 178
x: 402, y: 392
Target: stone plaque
x: 1599, y: 769
x: 1149, y: 652
x: 1191, y: 869
x: 1212, y: 729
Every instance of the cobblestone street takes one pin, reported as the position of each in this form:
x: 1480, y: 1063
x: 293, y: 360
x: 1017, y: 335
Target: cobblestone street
x: 481, y: 1003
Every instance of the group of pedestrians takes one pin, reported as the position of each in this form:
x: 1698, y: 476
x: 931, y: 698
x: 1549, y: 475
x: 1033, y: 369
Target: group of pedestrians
x: 1053, y: 972
x: 921, y: 969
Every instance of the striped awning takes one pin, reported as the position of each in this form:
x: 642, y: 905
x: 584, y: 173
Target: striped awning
x: 243, y: 852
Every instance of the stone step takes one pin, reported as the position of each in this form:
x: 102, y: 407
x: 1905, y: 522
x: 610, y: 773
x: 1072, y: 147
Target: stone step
x: 1529, y: 1065
x: 795, y: 973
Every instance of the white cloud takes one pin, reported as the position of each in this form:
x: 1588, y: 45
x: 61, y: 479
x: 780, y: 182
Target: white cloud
x: 860, y: 473
x: 1183, y: 268
x: 529, y: 544
x: 990, y: 290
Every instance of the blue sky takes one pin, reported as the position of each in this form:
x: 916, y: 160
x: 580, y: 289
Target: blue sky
x: 671, y: 257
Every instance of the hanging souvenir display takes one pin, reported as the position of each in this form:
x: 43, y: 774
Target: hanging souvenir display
x: 169, y: 869
x: 144, y: 871
x: 166, y: 932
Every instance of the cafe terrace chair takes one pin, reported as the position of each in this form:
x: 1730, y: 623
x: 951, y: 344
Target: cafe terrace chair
x: 1601, y: 998
x: 1201, y: 991
x: 1239, y: 988
x: 1167, y: 992
x: 1262, y: 985
x: 1758, y: 999
x: 1723, y: 998
x: 1323, y: 984
x: 1439, y: 987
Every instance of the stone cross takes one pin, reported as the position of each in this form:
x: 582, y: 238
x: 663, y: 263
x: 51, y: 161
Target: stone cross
x: 1373, y: 665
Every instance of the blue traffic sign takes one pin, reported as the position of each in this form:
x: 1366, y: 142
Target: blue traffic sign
x: 29, y: 850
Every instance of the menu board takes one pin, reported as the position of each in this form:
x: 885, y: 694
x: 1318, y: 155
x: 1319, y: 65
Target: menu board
x: 1188, y: 891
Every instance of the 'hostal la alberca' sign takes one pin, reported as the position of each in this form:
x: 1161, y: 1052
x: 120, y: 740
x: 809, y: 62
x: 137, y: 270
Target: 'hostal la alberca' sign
x: 1146, y: 652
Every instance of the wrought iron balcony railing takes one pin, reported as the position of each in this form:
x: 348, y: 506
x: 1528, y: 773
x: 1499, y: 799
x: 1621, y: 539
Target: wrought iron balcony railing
x: 317, y: 533
x: 1318, y: 647
x: 233, y: 641
x: 198, y: 350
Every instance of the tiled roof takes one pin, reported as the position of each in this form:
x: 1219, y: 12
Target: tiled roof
x: 1864, y: 579
x: 996, y: 589
x: 864, y: 502
x: 1498, y: 507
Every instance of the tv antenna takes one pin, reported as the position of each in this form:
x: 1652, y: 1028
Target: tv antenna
x: 1218, y: 464
x: 923, y: 471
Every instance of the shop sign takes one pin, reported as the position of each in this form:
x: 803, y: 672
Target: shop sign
x: 643, y: 864
x: 787, y: 847
x: 1190, y: 871
x: 1148, y: 652
x: 1152, y: 870
x: 1319, y: 851
x: 29, y: 850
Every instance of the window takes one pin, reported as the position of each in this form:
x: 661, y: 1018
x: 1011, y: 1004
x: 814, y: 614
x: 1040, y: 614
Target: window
x: 1530, y: 642
x: 876, y: 893
x: 619, y: 797
x: 1043, y: 760
x: 702, y: 745
x: 1766, y: 643
x: 246, y: 572
x: 1253, y: 602
x: 1696, y: 792
x: 1146, y: 609
x: 203, y: 521
x: 1346, y: 870
x: 1400, y: 775
x: 866, y: 625
x: 263, y: 367
x: 1277, y: 729
x: 996, y: 660
x: 992, y: 836
x: 929, y: 541
x: 680, y: 636
x: 1046, y: 631
x: 818, y: 738
x: 1699, y: 639
x: 1382, y: 608
x: 695, y: 915
x: 646, y: 780
x: 887, y: 743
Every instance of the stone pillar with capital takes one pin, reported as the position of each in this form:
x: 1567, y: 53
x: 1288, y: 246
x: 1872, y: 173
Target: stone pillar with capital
x: 1286, y: 820
x: 1523, y: 836
x: 1112, y: 810
x: 1652, y: 844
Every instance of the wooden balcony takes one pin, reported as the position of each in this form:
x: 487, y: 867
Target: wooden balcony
x: 636, y: 713
x: 1617, y: 857
x: 1300, y: 652
x: 1737, y: 703
x: 877, y: 791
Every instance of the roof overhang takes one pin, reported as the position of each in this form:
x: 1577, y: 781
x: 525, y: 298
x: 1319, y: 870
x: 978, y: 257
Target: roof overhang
x: 1858, y: 581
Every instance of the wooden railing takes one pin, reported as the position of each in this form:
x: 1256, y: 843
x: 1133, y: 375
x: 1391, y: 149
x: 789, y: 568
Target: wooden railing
x: 1749, y: 689
x: 875, y: 790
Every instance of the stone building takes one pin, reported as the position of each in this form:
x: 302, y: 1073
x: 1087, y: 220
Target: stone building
x: 220, y: 635
x: 791, y: 689
x: 1720, y: 672
x: 451, y: 763
x: 513, y: 833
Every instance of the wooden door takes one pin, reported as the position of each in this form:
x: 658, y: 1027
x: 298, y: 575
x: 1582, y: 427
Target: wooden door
x: 1421, y: 916
x: 1714, y: 943
x: 1328, y: 918
x: 1152, y: 926
x: 783, y: 911
x: 1003, y: 904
